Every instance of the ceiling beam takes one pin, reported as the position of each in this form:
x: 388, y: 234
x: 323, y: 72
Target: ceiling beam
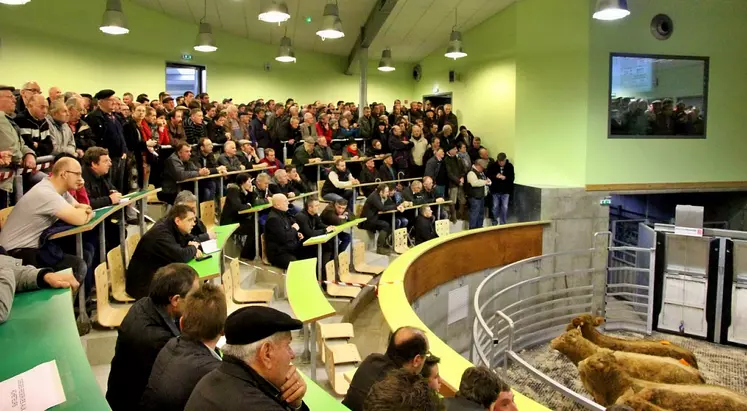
x: 375, y: 21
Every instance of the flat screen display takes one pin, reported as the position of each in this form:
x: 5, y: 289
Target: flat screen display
x: 655, y: 96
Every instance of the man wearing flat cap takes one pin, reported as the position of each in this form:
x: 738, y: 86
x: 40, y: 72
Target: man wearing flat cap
x: 256, y: 373
x: 110, y: 135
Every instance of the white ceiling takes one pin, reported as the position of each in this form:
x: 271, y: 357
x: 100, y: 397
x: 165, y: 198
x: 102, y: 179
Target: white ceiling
x: 413, y: 30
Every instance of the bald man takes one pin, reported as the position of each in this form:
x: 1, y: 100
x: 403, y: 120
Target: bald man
x: 282, y: 236
x: 54, y: 94
x: 407, y: 349
x: 41, y: 207
x: 34, y: 126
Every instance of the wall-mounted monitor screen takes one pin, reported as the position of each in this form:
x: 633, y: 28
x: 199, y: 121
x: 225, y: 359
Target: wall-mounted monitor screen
x: 658, y: 96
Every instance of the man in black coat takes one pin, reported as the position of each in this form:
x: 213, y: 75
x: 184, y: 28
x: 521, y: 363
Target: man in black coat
x: 264, y: 380
x: 177, y: 167
x: 168, y: 241
x: 101, y: 192
x: 425, y: 228
x: 502, y: 174
x: 407, y: 350
x: 185, y: 359
x: 455, y: 172
x: 311, y: 225
x: 146, y: 328
x: 109, y: 134
x: 481, y: 389
x: 282, y: 234
x: 240, y: 196
x: 376, y: 202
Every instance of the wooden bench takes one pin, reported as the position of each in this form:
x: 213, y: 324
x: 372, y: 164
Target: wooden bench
x: 106, y: 314
x: 117, y: 275
x: 359, y: 260
x: 241, y: 295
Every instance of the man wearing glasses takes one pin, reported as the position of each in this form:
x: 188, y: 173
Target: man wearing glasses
x: 12, y: 148
x: 40, y: 208
x: 28, y: 90
x: 109, y: 134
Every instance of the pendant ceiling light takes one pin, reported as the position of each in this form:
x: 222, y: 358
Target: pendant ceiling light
x: 285, y: 52
x: 115, y: 21
x: 385, y: 64
x: 274, y: 12
x: 14, y: 2
x: 331, y: 23
x: 455, y: 50
x: 611, y: 10
x: 205, y: 42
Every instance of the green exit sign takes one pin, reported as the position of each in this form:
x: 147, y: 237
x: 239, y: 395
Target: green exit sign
x: 186, y: 57
x: 605, y: 201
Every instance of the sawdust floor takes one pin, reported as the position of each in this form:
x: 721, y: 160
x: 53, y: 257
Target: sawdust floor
x: 720, y: 364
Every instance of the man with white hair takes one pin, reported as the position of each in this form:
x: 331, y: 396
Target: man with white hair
x: 308, y: 128
x: 54, y: 94
x: 282, y: 234
x: 449, y: 118
x: 12, y: 148
x: 63, y: 139
x: 34, y: 126
x: 256, y: 373
x: 446, y: 136
x: 29, y: 89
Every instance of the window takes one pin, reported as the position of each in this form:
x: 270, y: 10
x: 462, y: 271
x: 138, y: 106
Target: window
x: 185, y: 77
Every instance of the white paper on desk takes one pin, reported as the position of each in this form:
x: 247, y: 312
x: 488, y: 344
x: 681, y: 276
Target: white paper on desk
x: 209, y: 246
x: 37, y: 389
x: 124, y: 200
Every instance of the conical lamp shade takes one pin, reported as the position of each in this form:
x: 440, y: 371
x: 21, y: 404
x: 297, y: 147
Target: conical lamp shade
x: 205, y: 42
x: 455, y: 49
x: 115, y: 21
x: 274, y: 12
x: 331, y: 24
x: 611, y: 10
x: 14, y: 2
x: 285, y: 52
x: 385, y: 64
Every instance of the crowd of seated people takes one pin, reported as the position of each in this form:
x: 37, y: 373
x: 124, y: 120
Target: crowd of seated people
x: 638, y: 117
x: 108, y: 147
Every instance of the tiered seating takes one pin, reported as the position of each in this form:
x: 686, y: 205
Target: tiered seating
x: 228, y: 289
x: 344, y: 271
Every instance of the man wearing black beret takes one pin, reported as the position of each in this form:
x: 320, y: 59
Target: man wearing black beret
x: 110, y: 135
x: 256, y: 373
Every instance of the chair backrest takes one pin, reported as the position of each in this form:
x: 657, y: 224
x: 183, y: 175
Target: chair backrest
x: 329, y: 271
x: 4, y: 213
x: 264, y: 249
x: 319, y: 185
x: 227, y: 285
x: 131, y: 244
x: 443, y: 227
x: 207, y: 213
x: 359, y: 252
x: 102, y: 286
x: 116, y: 267
x: 234, y: 271
x: 222, y: 202
x: 344, y: 263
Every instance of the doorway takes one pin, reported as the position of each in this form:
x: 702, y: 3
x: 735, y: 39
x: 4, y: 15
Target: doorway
x: 438, y: 99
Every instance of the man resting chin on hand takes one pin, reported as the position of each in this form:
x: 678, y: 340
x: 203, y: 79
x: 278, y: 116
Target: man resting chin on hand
x: 15, y: 277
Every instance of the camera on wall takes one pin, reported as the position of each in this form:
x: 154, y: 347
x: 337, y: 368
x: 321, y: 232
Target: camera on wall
x: 662, y: 26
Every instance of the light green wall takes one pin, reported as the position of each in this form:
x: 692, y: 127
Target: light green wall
x: 715, y: 29
x: 57, y: 42
x: 484, y: 97
x: 551, y: 79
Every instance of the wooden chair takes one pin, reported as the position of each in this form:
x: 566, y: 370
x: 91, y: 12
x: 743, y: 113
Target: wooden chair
x: 222, y: 202
x: 341, y: 359
x: 106, y: 314
x: 207, y: 213
x: 348, y: 375
x: 319, y: 185
x: 265, y: 261
x: 401, y: 241
x: 228, y: 290
x: 443, y: 227
x: 131, y: 244
x: 241, y: 295
x: 344, y: 271
x: 117, y: 271
x: 359, y: 260
x: 4, y: 213
x: 332, y: 334
x: 337, y: 290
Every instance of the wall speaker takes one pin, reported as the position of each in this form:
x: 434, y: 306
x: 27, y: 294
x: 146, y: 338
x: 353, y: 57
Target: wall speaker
x: 662, y: 26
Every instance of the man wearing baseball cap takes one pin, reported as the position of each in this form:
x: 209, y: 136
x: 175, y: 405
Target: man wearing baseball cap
x: 256, y: 373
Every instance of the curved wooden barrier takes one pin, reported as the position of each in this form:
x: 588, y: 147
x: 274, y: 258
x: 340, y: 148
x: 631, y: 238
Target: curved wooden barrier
x: 441, y: 260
